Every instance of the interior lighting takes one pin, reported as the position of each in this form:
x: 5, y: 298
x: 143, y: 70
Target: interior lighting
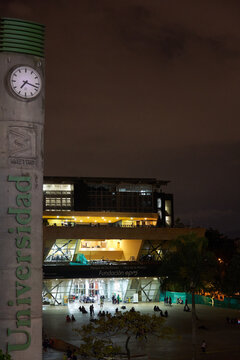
x: 95, y: 220
x: 102, y: 217
x: 145, y: 218
x: 109, y: 221
x: 88, y: 217
x: 58, y: 217
x: 72, y: 217
x: 117, y: 217
x: 81, y: 221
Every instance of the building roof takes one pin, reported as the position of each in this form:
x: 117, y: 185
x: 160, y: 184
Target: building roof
x: 111, y: 180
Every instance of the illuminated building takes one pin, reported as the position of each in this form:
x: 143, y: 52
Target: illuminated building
x: 104, y: 236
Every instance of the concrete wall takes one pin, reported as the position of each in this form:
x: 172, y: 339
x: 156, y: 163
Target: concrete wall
x: 21, y: 172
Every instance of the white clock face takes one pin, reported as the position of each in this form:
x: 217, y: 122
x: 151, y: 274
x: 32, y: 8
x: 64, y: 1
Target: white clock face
x: 25, y: 82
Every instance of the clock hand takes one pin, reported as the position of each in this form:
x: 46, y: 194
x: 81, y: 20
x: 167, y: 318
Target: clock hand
x: 32, y: 85
x: 24, y: 83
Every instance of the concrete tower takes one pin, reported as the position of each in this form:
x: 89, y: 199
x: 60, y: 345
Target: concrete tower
x: 21, y: 173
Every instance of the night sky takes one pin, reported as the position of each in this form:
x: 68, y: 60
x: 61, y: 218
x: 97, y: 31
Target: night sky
x: 145, y: 89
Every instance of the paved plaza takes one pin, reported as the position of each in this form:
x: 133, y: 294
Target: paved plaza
x: 223, y: 340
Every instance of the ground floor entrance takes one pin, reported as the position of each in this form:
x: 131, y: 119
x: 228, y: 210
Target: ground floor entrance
x: 122, y: 290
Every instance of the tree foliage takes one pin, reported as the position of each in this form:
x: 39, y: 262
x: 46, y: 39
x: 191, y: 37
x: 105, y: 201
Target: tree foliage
x: 190, y: 265
x: 4, y: 356
x: 97, y: 335
x: 231, y: 275
x: 221, y: 245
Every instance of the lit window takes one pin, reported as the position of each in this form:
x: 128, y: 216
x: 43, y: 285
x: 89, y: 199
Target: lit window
x: 168, y: 220
x: 168, y: 207
x: 57, y: 187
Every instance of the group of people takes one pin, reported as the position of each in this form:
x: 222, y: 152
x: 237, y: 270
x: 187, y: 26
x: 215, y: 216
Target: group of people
x: 234, y: 321
x: 115, y: 299
x: 83, y: 310
x: 168, y: 300
x: 103, y: 313
x: 70, y: 319
x: 165, y: 314
x: 179, y: 301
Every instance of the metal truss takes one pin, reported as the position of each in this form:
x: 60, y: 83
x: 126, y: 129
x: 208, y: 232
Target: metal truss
x: 46, y: 291
x: 60, y: 248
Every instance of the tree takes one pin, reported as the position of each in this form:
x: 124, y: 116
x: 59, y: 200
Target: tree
x: 230, y: 282
x: 4, y: 356
x: 221, y: 245
x: 97, y: 335
x: 192, y: 267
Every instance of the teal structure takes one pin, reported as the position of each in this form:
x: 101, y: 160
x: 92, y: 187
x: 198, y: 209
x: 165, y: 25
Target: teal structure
x: 231, y: 303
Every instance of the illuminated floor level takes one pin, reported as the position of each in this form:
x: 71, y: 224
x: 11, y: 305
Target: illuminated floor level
x: 124, y: 290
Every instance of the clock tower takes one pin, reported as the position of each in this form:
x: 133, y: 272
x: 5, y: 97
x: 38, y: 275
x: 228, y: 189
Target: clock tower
x: 21, y: 172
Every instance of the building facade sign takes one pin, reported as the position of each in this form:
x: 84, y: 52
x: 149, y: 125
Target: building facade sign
x: 104, y: 271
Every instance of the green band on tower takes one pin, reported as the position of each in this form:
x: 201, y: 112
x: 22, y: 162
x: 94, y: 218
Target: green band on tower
x: 24, y: 37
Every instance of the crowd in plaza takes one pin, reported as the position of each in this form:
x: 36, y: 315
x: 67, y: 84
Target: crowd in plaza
x: 93, y: 312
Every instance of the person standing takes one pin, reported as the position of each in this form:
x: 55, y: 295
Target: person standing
x: 91, y: 309
x: 204, y: 346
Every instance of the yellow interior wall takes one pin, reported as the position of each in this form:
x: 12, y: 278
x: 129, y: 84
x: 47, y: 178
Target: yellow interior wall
x: 130, y: 248
x: 58, y: 222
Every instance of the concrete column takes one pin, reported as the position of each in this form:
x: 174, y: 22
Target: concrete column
x: 21, y: 174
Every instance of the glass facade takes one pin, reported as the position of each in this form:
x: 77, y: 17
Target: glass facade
x: 58, y: 197
x: 127, y: 197
x: 61, y: 292
x: 104, y: 195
